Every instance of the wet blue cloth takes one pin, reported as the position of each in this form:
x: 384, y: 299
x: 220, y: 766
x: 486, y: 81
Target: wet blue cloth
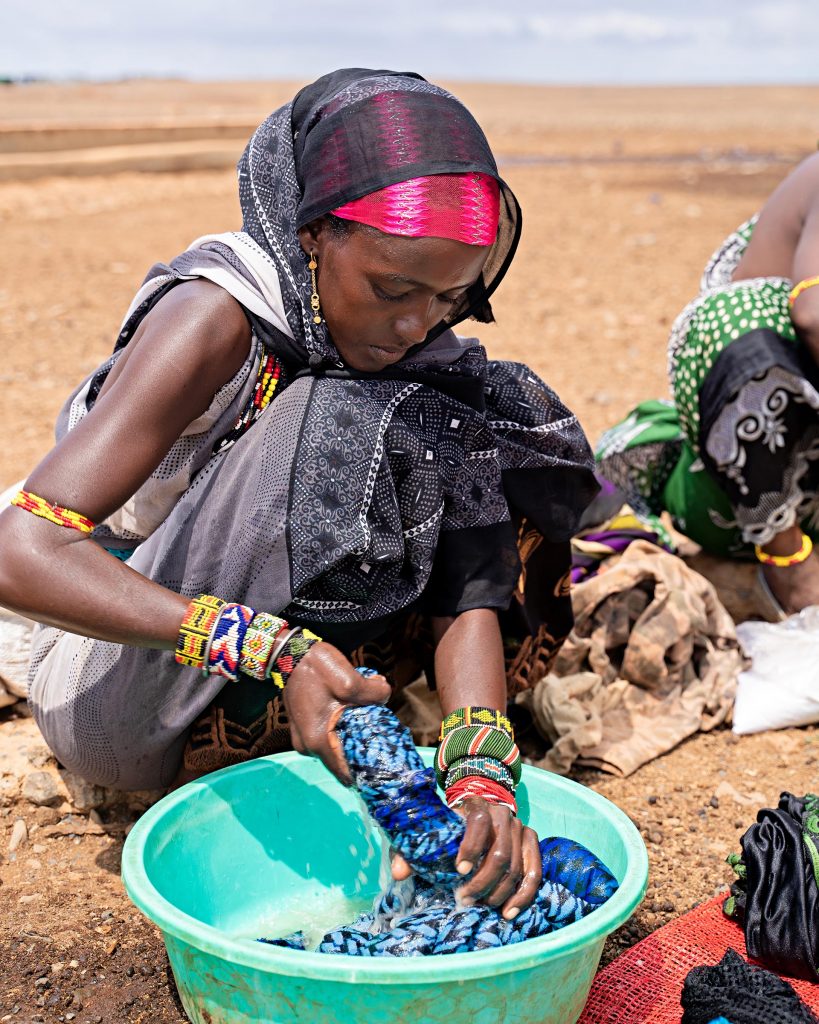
x: 420, y: 916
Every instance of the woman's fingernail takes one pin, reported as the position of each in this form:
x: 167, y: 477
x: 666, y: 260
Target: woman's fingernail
x: 463, y: 867
x: 511, y: 914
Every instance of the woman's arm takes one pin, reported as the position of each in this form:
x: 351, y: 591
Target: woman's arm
x: 805, y: 309
x: 469, y: 665
x: 469, y: 670
x: 191, y: 344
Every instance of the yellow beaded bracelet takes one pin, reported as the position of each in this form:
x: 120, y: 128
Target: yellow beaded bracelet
x: 783, y: 561
x: 196, y: 630
x: 475, y: 716
x: 796, y: 291
x: 58, y: 514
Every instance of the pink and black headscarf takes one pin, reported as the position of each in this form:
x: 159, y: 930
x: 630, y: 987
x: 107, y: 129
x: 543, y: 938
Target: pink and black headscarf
x: 385, y: 149
x: 464, y: 207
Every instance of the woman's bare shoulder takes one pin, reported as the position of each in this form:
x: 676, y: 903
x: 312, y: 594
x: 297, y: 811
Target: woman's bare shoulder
x: 197, y: 313
x: 198, y: 328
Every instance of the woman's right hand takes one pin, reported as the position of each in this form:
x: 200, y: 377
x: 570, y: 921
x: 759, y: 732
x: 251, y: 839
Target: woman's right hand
x: 319, y: 688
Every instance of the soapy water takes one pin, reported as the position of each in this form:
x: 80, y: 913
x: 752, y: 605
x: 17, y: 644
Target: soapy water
x: 329, y: 908
x: 312, y: 918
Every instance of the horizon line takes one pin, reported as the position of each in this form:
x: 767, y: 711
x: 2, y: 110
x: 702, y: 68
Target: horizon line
x: 11, y: 80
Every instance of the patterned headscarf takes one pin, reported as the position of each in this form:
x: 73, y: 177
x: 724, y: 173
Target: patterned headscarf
x: 349, y: 134
x: 463, y: 207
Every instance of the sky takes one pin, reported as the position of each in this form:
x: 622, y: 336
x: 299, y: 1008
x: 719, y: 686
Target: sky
x: 566, y: 41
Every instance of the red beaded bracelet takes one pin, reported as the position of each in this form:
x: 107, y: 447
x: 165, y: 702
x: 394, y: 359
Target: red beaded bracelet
x: 478, y: 786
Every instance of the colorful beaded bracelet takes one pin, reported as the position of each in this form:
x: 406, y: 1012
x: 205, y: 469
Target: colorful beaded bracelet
x: 259, y: 644
x: 477, y: 741
x: 475, y: 716
x: 476, y: 786
x: 197, y: 627
x: 484, y: 767
x: 297, y: 644
x: 53, y: 513
x: 226, y: 641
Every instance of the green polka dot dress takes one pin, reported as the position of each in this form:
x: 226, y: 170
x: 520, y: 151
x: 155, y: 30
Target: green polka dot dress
x: 734, y: 458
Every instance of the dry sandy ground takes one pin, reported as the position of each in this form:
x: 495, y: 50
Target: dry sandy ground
x: 625, y: 194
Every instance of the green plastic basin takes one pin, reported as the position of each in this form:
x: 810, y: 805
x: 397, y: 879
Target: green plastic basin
x: 216, y: 862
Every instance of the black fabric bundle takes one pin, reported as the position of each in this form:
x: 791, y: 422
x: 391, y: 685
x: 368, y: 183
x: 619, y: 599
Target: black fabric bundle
x: 776, y: 896
x: 742, y: 994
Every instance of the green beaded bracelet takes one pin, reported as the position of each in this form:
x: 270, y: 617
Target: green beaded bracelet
x: 477, y: 741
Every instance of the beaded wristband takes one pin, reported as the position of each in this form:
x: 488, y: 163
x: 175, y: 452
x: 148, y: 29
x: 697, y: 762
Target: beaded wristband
x: 483, y: 767
x: 477, y: 741
x: 195, y: 632
x: 226, y: 640
x: 260, y: 640
x: 796, y: 291
x: 783, y: 561
x: 294, y: 649
x: 475, y: 716
x: 285, y: 634
x: 476, y: 786
x: 53, y: 513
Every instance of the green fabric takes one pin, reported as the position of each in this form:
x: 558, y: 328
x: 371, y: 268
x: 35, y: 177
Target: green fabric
x: 686, y: 491
x: 655, y: 426
x: 671, y: 478
x: 810, y: 832
x: 664, y: 472
x: 123, y: 554
x: 718, y: 320
x: 700, y: 509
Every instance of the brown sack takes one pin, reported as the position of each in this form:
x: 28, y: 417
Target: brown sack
x: 653, y: 658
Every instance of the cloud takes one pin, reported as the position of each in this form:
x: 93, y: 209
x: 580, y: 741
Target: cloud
x: 571, y: 41
x: 615, y: 25
x: 486, y: 24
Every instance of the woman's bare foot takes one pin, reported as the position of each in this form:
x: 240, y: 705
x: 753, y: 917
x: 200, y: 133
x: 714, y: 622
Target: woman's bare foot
x: 794, y: 586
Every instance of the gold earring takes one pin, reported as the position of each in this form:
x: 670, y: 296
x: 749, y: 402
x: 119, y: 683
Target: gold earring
x: 315, y: 305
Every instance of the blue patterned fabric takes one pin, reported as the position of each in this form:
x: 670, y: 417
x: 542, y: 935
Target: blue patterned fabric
x: 420, y: 916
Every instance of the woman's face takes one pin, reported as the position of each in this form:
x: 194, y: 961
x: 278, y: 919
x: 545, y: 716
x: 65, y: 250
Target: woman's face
x: 382, y: 294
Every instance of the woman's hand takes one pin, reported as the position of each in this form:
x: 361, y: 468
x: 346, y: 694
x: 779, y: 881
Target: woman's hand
x: 510, y: 869
x: 319, y: 688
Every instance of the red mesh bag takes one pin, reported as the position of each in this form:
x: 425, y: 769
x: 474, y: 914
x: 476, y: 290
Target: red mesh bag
x: 644, y: 984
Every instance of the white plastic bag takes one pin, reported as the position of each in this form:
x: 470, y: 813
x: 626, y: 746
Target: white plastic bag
x: 781, y: 688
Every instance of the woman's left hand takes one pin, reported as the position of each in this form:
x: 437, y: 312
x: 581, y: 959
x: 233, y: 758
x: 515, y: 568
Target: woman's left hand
x: 510, y: 869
